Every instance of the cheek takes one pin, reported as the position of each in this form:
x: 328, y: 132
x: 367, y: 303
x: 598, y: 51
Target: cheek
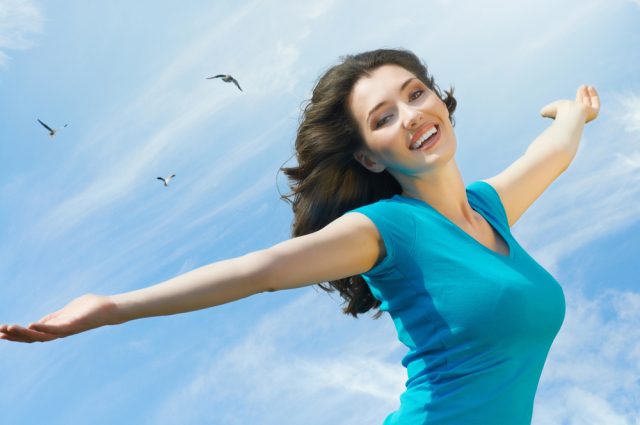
x: 385, y: 140
x: 434, y: 102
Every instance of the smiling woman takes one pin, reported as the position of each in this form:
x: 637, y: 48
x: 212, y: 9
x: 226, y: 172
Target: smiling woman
x: 328, y: 180
x: 382, y: 215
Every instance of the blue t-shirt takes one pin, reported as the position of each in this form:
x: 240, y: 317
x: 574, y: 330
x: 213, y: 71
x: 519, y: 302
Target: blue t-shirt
x: 478, y: 324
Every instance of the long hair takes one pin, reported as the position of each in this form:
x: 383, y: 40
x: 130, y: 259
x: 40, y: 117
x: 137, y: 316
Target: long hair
x: 328, y: 181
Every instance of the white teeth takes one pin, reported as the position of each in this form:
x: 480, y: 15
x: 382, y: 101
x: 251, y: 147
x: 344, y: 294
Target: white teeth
x: 424, y: 138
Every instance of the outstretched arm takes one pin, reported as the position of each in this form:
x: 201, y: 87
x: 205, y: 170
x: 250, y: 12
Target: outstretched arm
x: 548, y: 156
x: 348, y: 246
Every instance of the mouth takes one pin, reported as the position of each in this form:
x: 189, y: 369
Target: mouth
x: 425, y: 137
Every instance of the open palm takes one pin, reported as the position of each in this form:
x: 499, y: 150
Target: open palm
x: 86, y: 312
x: 587, y: 101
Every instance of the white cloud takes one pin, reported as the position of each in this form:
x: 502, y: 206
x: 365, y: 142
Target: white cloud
x: 628, y: 111
x: 179, y: 109
x: 19, y: 20
x: 287, y: 363
x: 591, y: 375
x: 278, y: 73
x: 566, y: 25
x: 319, y: 8
x: 118, y: 180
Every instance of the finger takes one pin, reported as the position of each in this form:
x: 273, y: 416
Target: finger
x: 549, y: 110
x: 28, y: 335
x: 584, y: 94
x: 580, y: 93
x: 595, y: 99
x: 49, y: 329
x: 12, y: 334
x: 10, y: 338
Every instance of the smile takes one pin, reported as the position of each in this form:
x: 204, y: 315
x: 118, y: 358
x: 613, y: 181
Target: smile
x: 425, y: 138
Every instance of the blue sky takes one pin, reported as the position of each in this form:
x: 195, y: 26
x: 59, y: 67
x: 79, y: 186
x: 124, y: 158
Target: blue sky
x: 83, y: 212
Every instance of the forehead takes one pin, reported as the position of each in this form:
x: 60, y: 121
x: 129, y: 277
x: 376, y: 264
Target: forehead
x: 380, y: 84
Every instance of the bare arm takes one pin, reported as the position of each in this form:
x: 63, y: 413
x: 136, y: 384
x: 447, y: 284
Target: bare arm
x: 520, y: 184
x: 348, y: 246
x: 214, y: 284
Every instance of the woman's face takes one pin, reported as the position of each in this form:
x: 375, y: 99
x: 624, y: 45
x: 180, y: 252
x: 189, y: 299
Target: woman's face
x: 395, y: 111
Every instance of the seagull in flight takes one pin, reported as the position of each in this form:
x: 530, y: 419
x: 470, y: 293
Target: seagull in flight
x: 166, y: 180
x: 227, y: 79
x: 52, y: 131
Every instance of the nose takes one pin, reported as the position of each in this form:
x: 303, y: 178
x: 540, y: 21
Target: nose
x: 412, y: 117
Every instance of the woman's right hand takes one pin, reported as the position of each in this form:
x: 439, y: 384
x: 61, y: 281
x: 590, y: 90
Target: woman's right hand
x: 82, y: 314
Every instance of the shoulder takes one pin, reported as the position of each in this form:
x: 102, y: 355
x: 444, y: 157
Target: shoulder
x: 371, y: 216
x: 393, y: 220
x: 387, y: 214
x: 487, y: 197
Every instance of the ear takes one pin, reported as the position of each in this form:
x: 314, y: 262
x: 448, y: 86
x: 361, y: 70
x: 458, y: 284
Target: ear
x: 366, y: 161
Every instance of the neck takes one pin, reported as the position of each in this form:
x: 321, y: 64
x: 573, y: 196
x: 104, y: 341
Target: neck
x: 444, y: 190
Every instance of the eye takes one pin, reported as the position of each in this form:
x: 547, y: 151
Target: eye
x: 382, y: 121
x: 416, y: 94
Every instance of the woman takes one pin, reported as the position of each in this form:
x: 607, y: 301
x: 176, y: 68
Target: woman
x: 382, y: 214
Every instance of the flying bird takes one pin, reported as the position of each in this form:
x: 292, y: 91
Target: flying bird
x: 166, y: 180
x: 227, y: 79
x: 52, y: 131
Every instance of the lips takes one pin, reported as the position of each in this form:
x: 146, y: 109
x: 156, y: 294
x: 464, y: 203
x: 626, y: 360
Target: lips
x: 420, y: 132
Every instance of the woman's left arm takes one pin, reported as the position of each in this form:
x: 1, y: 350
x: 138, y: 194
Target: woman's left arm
x: 548, y: 156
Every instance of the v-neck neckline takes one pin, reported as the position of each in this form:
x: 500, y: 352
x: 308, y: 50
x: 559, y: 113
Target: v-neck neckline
x: 496, y: 229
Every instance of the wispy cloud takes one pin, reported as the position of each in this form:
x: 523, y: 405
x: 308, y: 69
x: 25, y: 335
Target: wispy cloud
x: 319, y: 8
x: 566, y: 24
x: 627, y: 112
x: 591, y: 375
x: 277, y: 371
x: 181, y: 110
x: 118, y: 180
x: 19, y: 21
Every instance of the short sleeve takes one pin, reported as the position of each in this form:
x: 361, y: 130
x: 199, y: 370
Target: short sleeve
x: 490, y: 200
x: 397, y: 230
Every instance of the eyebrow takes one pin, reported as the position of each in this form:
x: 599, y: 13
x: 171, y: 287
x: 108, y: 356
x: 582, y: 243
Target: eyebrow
x: 375, y: 108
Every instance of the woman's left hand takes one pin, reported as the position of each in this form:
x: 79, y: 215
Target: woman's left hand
x: 587, y: 102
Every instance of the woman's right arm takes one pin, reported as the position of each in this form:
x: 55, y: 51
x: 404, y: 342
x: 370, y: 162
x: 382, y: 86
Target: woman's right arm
x: 348, y: 246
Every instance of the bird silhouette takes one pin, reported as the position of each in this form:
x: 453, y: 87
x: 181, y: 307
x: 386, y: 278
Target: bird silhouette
x: 52, y: 131
x: 166, y: 180
x: 227, y: 79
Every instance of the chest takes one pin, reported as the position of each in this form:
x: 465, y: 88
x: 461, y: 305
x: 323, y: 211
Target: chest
x: 476, y: 295
x: 486, y: 235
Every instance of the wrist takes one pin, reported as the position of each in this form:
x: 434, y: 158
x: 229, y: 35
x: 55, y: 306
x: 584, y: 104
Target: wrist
x: 572, y: 110
x: 121, y: 311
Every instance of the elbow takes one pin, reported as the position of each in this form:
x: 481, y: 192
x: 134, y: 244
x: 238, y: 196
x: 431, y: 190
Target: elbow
x: 262, y: 267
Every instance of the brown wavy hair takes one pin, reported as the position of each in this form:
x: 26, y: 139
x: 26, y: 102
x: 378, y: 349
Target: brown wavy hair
x: 328, y: 181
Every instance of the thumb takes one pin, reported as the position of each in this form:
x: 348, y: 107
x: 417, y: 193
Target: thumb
x: 549, y: 110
